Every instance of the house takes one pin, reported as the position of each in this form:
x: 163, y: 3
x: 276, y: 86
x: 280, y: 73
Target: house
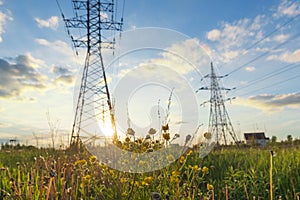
x: 256, y: 138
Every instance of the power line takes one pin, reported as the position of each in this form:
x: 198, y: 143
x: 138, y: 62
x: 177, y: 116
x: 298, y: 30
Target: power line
x: 264, y: 54
x: 271, y: 33
x: 269, y: 75
x: 271, y: 85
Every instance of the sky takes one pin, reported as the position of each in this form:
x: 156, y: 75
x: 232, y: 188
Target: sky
x: 255, y: 43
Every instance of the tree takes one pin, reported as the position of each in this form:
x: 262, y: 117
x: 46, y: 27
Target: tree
x: 274, y: 139
x: 289, y: 138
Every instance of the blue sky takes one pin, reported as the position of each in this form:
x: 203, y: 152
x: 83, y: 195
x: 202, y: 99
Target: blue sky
x: 38, y: 67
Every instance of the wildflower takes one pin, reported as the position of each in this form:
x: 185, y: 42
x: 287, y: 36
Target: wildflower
x: 205, y: 170
x: 93, y: 159
x: 139, y: 141
x: 111, y: 172
x: 165, y: 127
x: 189, y: 153
x: 170, y: 158
x: 209, y: 187
x: 181, y: 159
x: 130, y: 131
x: 86, y: 179
x: 124, y: 194
x: 148, y: 179
x: 127, y: 139
x: 144, y: 149
x: 187, y: 138
x: 150, y: 150
x: 207, y: 135
x: 144, y: 183
x: 195, y: 167
x: 174, y: 179
x: 104, y: 166
x: 175, y: 173
x: 152, y: 131
x: 81, y: 162
x: 123, y: 180
x: 147, y: 137
x: 176, y: 136
x: 166, y: 136
x: 135, y: 183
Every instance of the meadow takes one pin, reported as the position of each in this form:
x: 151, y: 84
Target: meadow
x: 226, y: 173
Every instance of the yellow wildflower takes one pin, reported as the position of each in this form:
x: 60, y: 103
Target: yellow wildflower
x: 111, y: 172
x: 80, y: 162
x: 175, y: 173
x: 104, y: 166
x: 93, y: 159
x: 181, y: 159
x: 148, y: 179
x: 86, y: 179
x: 123, y: 180
x: 174, y: 179
x: 209, y: 187
x: 189, y: 153
x: 136, y: 183
x: 205, y: 170
x: 195, y: 167
x: 144, y: 183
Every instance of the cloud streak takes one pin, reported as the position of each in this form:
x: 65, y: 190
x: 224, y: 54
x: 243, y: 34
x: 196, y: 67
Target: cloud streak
x: 4, y: 18
x: 52, y: 22
x: 63, y: 75
x: 270, y: 102
x: 288, y: 8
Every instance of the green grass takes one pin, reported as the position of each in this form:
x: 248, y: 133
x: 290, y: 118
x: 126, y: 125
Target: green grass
x: 235, y: 173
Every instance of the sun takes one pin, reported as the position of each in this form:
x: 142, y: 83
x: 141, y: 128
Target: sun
x: 106, y: 128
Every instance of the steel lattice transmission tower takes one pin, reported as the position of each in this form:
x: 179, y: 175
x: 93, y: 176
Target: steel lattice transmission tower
x: 219, y: 121
x: 97, y: 24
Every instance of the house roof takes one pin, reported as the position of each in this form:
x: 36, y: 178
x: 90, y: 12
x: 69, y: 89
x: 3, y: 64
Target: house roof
x: 256, y: 135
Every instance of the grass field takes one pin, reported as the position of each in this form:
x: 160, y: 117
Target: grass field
x: 227, y: 173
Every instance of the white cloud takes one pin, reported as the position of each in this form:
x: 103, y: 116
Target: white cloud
x: 250, y: 69
x: 270, y: 102
x: 237, y: 33
x: 288, y: 8
x: 289, y: 57
x: 4, y: 18
x: 1, y: 3
x: 214, y: 35
x: 52, y: 22
x: 58, y: 47
x: 19, y: 77
x: 281, y: 37
x: 227, y: 56
x: 257, y: 22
